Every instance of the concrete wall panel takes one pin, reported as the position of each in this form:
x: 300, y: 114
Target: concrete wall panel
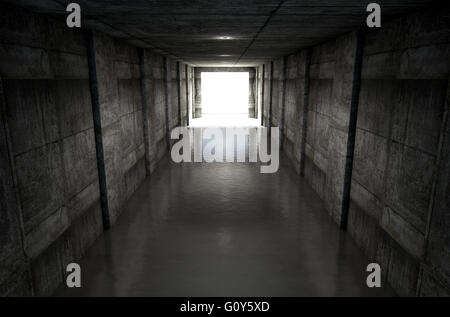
x: 399, y: 129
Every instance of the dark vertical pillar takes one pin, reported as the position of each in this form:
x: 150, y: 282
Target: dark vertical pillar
x: 262, y: 93
x: 187, y: 94
x: 166, y: 97
x: 145, y: 110
x: 93, y: 83
x: 197, y: 106
x: 306, y: 84
x: 179, y: 92
x: 252, y: 88
x: 352, y: 129
x: 194, y: 93
x: 270, y: 94
x: 256, y: 92
x: 283, y: 103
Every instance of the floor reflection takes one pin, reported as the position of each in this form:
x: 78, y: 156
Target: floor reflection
x: 224, y: 229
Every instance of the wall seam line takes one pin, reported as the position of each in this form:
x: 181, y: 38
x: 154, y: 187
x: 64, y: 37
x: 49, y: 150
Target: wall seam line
x: 93, y: 84
x: 179, y: 92
x: 283, y: 103
x: 306, y: 88
x: 356, y: 86
x: 166, y: 97
x: 145, y: 112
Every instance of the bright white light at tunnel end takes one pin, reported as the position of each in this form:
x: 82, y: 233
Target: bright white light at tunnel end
x: 224, y: 37
x: 225, y: 92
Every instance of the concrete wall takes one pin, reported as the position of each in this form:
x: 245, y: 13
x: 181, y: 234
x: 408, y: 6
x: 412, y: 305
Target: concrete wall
x: 52, y: 182
x: 14, y: 265
x: 258, y: 92
x: 173, y: 102
x: 252, y: 93
x: 155, y: 85
x: 267, y: 94
x: 324, y: 136
x: 120, y: 103
x: 191, y: 92
x: 293, y: 130
x: 275, y: 113
x: 397, y: 188
x: 331, y: 75
x: 319, y: 116
x: 197, y: 108
x: 434, y: 276
x: 183, y: 81
x: 402, y: 105
x: 51, y: 209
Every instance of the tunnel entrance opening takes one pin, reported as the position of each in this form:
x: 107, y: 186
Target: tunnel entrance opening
x: 224, y: 99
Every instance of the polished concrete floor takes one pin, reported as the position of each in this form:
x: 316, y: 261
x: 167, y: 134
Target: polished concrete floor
x: 224, y: 229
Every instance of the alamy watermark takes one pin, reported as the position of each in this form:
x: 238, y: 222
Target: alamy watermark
x: 227, y: 145
x: 73, y: 279
x: 74, y: 17
x: 374, y: 278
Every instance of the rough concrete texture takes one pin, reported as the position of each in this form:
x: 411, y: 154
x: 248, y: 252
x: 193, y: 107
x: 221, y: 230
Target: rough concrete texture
x: 435, y: 275
x: 191, y: 92
x: 155, y: 85
x: 400, y: 126
x: 182, y: 82
x: 331, y: 74
x: 267, y: 94
x: 275, y: 115
x: 319, y: 112
x: 14, y: 267
x: 50, y: 200
x: 173, y: 102
x: 119, y: 91
x: 294, y: 107
x: 258, y: 92
x: 197, y: 109
x: 252, y: 99
x: 399, y: 187
x: 252, y: 93
x: 261, y: 30
x: 50, y: 163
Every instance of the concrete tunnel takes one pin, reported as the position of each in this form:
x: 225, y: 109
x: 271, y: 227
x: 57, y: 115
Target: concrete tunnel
x: 88, y: 175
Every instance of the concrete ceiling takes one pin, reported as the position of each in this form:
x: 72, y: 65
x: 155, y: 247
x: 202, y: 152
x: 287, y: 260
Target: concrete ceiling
x: 224, y: 32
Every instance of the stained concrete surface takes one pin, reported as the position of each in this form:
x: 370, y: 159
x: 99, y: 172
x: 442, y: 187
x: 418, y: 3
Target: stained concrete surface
x: 224, y: 229
x: 218, y: 33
